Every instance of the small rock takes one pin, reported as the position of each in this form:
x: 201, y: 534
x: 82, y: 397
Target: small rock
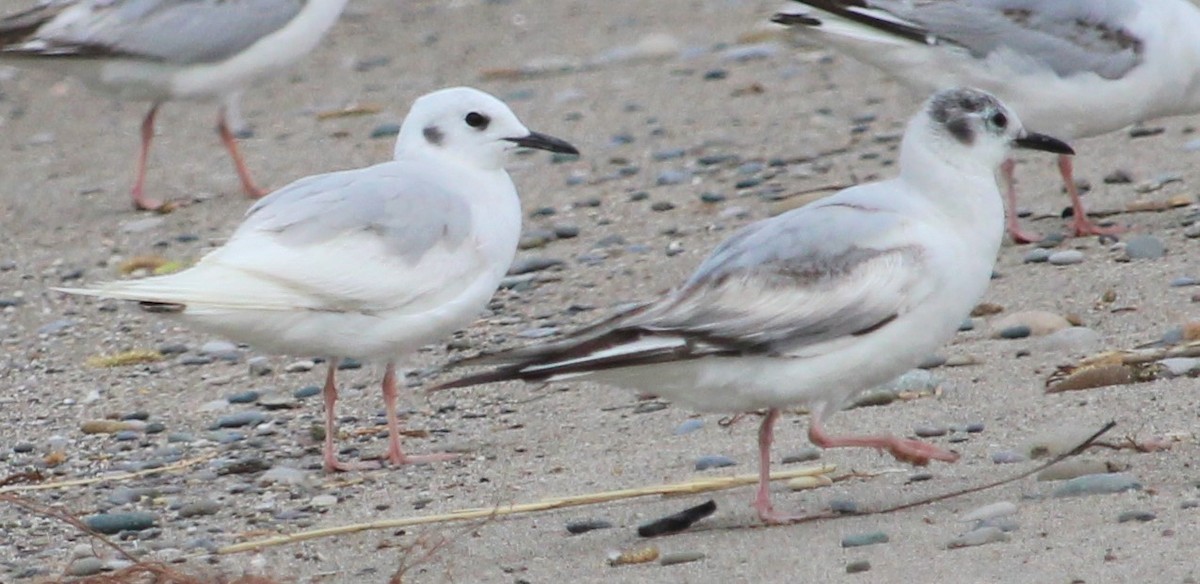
x: 321, y: 501
x: 110, y: 523
x: 300, y: 366
x: 1141, y: 247
x: 677, y: 522
x: 673, y: 177
x: 1184, y: 281
x: 109, y: 426
x: 843, y: 507
x: 284, y: 475
x: 930, y: 431
x: 1019, y: 331
x: 586, y: 525
x: 1136, y: 515
x: 862, y: 539
x: 1040, y: 255
x: 199, y: 508
x: 688, y: 426
x: 680, y: 558
x: 1072, y: 468
x: 914, y: 380
x: 1097, y: 484
x: 661, y: 206
x: 714, y: 461
x: 803, y: 455
x: 1066, y: 257
x: 306, y: 392
x: 858, y: 566
x: 992, y: 511
x: 1180, y: 366
x: 1040, y: 323
x: 1007, y: 457
x: 528, y: 264
x: 245, y: 397
x: 241, y: 419
x: 86, y: 567
x: 1076, y: 339
x: 981, y: 536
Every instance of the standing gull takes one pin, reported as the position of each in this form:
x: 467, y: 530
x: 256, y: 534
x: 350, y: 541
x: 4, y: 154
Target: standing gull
x: 819, y: 303
x: 1073, y: 68
x: 369, y: 263
x: 161, y: 50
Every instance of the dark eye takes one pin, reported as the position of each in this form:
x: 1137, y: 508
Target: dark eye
x: 999, y: 120
x: 477, y: 120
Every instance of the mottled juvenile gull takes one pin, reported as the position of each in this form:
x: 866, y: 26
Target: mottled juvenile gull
x: 819, y: 303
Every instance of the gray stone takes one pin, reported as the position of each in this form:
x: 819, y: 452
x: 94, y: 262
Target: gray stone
x: 1144, y: 247
x: 858, y: 566
x: 110, y: 523
x: 306, y: 392
x: 803, y: 455
x: 930, y: 431
x: 1007, y: 457
x: 688, y: 426
x: 244, y: 397
x: 992, y: 511
x: 586, y: 525
x: 199, y: 508
x: 1097, y: 484
x: 714, y: 461
x: 861, y: 539
x: 241, y: 419
x: 1072, y: 468
x: 976, y: 537
x: 528, y: 264
x: 284, y: 475
x: 1076, y: 339
x: 1066, y: 257
x: 1136, y: 515
x: 1018, y: 331
x: 1038, y: 255
x: 673, y: 177
x: 86, y: 567
x: 1180, y: 366
x: 672, y: 558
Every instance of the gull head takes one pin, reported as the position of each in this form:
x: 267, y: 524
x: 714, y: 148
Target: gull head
x: 470, y: 126
x: 974, y: 128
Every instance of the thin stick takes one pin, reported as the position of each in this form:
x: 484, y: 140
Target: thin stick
x: 699, y: 486
x: 106, y: 478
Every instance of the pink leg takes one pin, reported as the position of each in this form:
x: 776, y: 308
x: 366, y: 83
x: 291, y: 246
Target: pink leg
x: 762, y: 501
x: 230, y: 142
x: 910, y: 451
x: 1080, y: 223
x: 332, y: 464
x: 139, y: 184
x: 395, y: 454
x: 1008, y: 174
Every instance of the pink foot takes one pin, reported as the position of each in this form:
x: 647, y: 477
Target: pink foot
x: 913, y: 452
x: 332, y: 464
x: 767, y: 514
x: 1082, y: 226
x: 1019, y: 235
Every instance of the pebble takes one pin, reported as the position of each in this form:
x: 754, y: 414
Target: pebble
x: 110, y: 426
x: 708, y: 197
x: 1072, y: 468
x: 1018, y: 331
x: 241, y: 419
x: 680, y: 558
x: 243, y: 466
x: 1097, y: 484
x: 307, y: 392
x: 1144, y: 247
x: 679, y: 521
x: 284, y: 475
x: 1008, y: 457
x: 1066, y: 257
x: 991, y: 511
x: 673, y: 177
x: 220, y: 349
x: 914, y: 380
x: 385, y: 130
x: 1057, y: 440
x: 874, y: 397
x: 930, y: 431
x: 86, y: 567
x: 1136, y: 515
x: 1180, y: 366
x: 321, y: 501
x: 861, y: 539
x: 661, y: 206
x: 649, y: 407
x: 688, y: 426
x: 803, y: 455
x: 111, y: 523
x: 245, y: 397
x: 565, y: 231
x: 858, y: 566
x: 277, y: 401
x: 1039, y: 255
x: 586, y: 525
x: 981, y: 536
x: 1039, y: 323
x: 55, y: 327
x: 529, y: 264
x: 1183, y: 281
x: 259, y: 366
x: 199, y: 508
x: 299, y: 366
x: 1076, y: 339
x: 714, y: 461
x: 843, y: 506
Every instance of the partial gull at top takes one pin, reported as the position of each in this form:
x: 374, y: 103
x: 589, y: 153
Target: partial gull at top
x: 1072, y: 68
x: 163, y: 50
x: 370, y: 263
x: 819, y: 303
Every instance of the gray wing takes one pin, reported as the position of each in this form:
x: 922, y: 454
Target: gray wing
x: 390, y: 200
x: 1068, y: 36
x: 796, y: 284
x: 174, y: 31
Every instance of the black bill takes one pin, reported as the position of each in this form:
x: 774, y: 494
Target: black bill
x: 544, y: 142
x: 1035, y: 141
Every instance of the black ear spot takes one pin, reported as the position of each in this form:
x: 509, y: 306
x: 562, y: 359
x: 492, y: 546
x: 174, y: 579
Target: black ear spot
x: 433, y: 135
x: 477, y: 120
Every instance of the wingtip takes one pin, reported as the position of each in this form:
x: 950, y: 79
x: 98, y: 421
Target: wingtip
x: 793, y: 19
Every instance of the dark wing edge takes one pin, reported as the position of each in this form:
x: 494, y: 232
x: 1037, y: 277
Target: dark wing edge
x: 854, y: 11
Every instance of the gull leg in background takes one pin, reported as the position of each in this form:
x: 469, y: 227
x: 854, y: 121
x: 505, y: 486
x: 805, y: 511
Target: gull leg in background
x: 396, y: 454
x: 139, y: 183
x: 330, y: 394
x: 1080, y: 224
x: 1007, y: 172
x: 762, y: 501
x: 911, y: 451
x: 230, y: 140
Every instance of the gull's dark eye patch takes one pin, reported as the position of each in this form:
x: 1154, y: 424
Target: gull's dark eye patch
x: 477, y: 120
x: 999, y: 120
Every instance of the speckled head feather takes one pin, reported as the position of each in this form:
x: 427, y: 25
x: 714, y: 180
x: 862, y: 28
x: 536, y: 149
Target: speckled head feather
x: 954, y: 110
